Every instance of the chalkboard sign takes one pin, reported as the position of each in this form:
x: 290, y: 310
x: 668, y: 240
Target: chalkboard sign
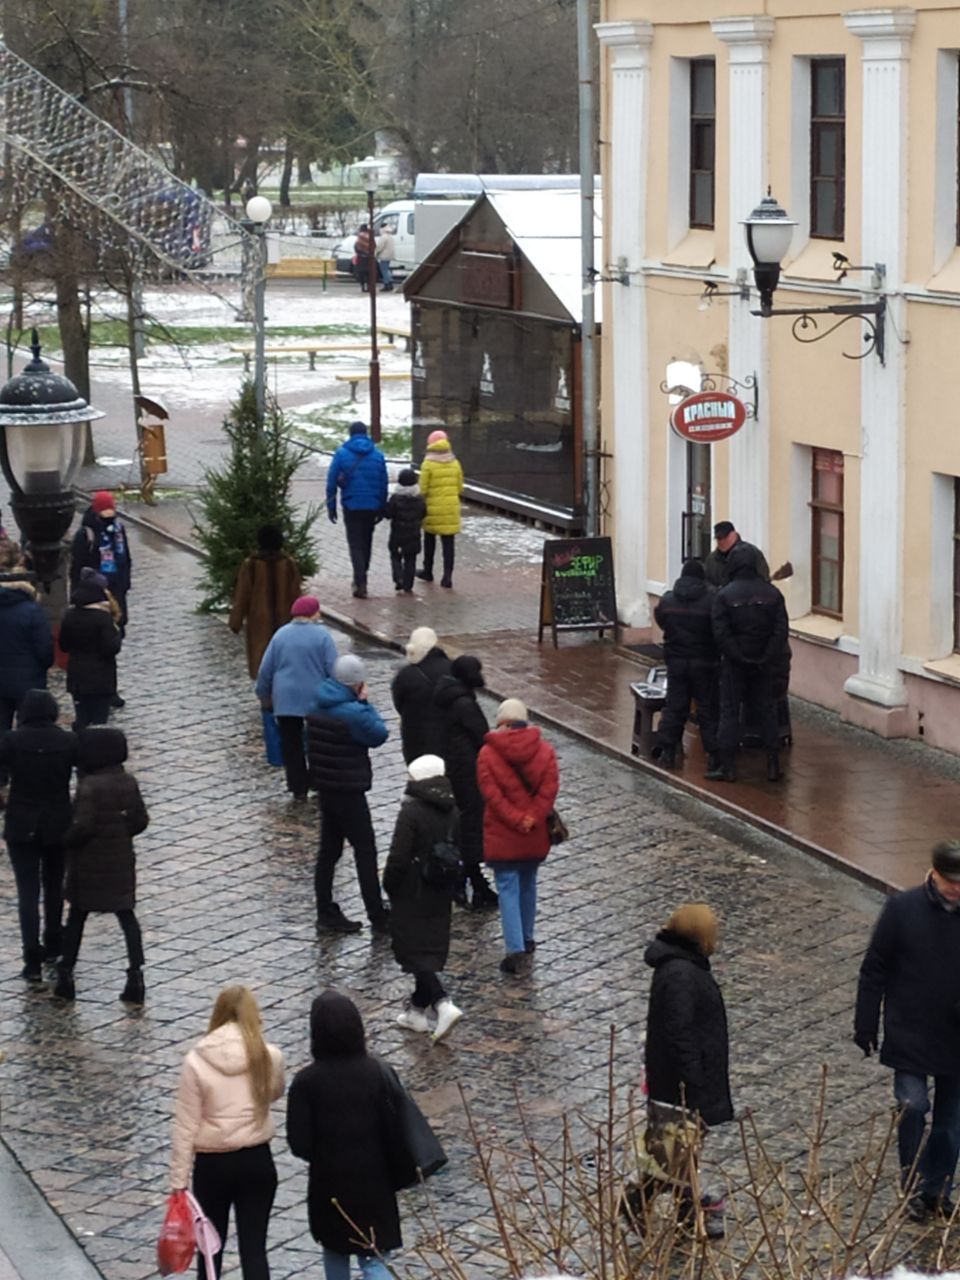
x: 577, y: 587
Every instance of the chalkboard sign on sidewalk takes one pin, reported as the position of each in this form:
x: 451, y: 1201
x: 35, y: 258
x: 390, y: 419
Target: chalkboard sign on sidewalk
x: 577, y: 590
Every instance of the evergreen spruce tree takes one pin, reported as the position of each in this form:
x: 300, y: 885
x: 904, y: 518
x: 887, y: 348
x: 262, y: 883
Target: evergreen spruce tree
x: 251, y: 489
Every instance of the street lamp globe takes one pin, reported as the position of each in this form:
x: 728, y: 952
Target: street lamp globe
x: 259, y: 210
x: 769, y: 231
x: 42, y: 418
x: 369, y: 170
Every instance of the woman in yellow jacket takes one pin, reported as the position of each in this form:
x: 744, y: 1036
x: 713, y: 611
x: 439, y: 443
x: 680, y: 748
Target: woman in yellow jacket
x: 441, y: 483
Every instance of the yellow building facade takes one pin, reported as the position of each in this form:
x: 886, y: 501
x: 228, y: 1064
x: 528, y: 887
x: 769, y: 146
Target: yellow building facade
x: 849, y: 469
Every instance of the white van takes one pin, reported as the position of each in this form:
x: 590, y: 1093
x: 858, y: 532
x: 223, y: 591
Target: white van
x: 398, y: 218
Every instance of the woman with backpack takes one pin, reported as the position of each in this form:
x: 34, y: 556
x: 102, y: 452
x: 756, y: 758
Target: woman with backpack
x: 518, y: 778
x: 222, y: 1127
x: 422, y: 873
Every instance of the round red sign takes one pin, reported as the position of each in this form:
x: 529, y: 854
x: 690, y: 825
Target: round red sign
x: 708, y: 416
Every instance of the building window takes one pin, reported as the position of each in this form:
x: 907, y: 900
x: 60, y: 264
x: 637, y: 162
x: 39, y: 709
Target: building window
x: 956, y: 566
x: 827, y: 147
x: 703, y: 129
x: 827, y: 523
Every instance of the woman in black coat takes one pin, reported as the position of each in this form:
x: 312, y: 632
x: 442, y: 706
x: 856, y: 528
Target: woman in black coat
x: 108, y: 811
x: 421, y: 724
x: 91, y: 640
x: 465, y: 727
x: 420, y: 911
x: 339, y: 1119
x: 687, y: 1051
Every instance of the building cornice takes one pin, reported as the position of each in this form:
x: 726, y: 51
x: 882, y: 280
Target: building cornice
x: 622, y: 35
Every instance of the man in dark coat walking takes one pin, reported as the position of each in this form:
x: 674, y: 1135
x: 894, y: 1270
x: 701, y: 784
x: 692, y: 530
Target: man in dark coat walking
x: 40, y: 758
x: 339, y: 738
x: 422, y: 730
x: 912, y: 969
x: 358, y: 473
x: 685, y: 616
x: 750, y: 626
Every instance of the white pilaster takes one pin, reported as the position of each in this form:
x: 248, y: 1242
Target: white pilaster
x: 748, y: 43
x: 886, y: 36
x: 628, y: 46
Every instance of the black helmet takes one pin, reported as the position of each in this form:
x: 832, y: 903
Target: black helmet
x: 946, y: 859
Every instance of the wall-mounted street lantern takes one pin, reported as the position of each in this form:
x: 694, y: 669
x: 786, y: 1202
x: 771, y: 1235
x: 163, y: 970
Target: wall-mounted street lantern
x: 769, y: 230
x: 42, y: 420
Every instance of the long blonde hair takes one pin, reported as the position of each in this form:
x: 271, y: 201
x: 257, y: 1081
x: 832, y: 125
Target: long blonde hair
x: 239, y: 1005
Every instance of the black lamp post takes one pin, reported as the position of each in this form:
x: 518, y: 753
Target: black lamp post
x: 42, y: 418
x: 369, y: 169
x: 769, y: 230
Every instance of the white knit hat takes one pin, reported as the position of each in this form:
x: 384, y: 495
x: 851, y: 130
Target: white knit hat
x: 512, y: 709
x: 425, y: 767
x: 422, y: 640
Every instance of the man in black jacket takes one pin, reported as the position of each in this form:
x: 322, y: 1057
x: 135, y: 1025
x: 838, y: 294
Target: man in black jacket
x: 40, y: 758
x: 912, y: 968
x: 693, y: 663
x: 716, y: 566
x: 750, y: 625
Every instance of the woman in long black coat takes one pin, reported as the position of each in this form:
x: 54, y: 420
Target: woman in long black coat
x: 420, y: 911
x: 413, y: 687
x: 339, y: 1119
x: 465, y: 727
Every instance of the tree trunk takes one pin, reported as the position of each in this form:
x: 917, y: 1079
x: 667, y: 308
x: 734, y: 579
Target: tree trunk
x: 247, y: 176
x: 304, y: 175
x: 74, y: 338
x: 286, y: 175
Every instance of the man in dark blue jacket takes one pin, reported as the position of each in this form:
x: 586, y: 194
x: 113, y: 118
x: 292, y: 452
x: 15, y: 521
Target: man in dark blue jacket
x: 339, y: 737
x: 693, y: 662
x: 359, y: 471
x: 912, y: 968
x: 26, y: 646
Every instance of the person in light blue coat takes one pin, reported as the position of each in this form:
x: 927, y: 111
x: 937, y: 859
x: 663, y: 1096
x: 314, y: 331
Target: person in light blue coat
x: 298, y: 659
x: 359, y: 472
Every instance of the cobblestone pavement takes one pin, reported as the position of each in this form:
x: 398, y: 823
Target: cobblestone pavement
x: 225, y: 895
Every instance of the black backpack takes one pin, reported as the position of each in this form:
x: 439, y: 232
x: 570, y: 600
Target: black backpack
x: 442, y: 867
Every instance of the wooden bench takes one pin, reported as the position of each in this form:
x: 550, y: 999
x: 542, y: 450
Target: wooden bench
x: 303, y: 269
x: 393, y: 331
x: 312, y: 349
x: 356, y: 376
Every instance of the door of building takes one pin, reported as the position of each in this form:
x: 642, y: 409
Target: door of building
x: 696, y: 538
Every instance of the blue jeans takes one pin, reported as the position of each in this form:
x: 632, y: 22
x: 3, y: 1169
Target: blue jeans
x: 386, y: 275
x: 517, y: 887
x: 938, y: 1160
x: 336, y: 1266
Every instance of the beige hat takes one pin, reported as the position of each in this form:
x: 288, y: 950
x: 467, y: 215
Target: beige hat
x: 512, y: 709
x: 425, y: 767
x: 422, y: 640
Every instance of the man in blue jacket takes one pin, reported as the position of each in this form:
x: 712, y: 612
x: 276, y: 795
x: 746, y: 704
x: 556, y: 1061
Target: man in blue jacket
x: 359, y: 471
x: 339, y: 738
x: 912, y: 968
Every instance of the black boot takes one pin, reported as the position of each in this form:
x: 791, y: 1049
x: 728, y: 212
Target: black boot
x: 32, y: 960
x: 668, y: 757
x: 484, y: 898
x: 65, y: 990
x: 713, y: 765
x: 134, y: 992
x: 725, y: 769
x: 773, y: 766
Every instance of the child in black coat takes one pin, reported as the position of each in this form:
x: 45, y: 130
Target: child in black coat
x: 419, y: 909
x: 108, y: 811
x: 405, y: 511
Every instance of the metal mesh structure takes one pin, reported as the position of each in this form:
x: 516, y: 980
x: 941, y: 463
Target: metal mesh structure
x: 124, y: 199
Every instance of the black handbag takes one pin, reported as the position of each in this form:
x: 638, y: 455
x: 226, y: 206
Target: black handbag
x: 415, y: 1150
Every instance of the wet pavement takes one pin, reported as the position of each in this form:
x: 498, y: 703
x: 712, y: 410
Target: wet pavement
x: 225, y: 895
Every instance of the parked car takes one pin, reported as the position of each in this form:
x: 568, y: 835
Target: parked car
x: 396, y: 217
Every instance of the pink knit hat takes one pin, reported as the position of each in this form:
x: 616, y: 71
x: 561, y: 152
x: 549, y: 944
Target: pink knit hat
x: 304, y: 607
x: 435, y: 437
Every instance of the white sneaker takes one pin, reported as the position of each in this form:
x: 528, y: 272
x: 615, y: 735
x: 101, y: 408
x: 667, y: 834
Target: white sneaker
x: 448, y: 1015
x: 413, y: 1020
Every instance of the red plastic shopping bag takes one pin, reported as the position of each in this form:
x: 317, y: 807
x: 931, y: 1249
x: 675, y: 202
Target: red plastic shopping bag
x: 178, y: 1236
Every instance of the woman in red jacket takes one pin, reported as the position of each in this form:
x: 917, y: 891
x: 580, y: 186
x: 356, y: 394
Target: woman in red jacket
x: 517, y: 774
